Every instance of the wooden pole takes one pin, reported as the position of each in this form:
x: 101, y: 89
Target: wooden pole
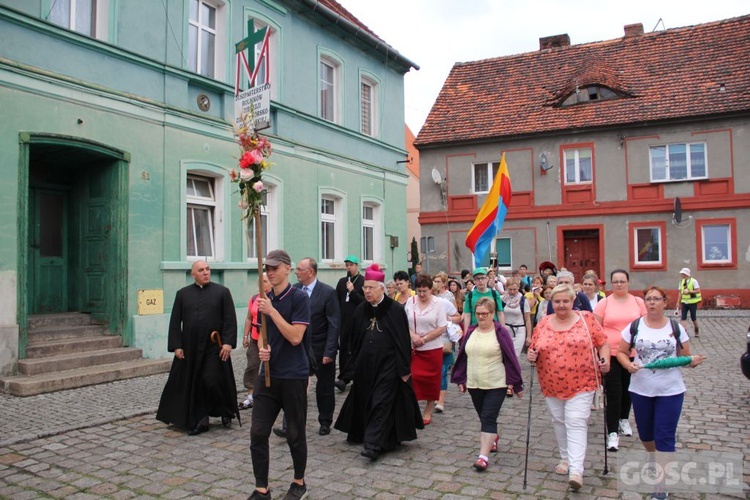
x: 261, y: 293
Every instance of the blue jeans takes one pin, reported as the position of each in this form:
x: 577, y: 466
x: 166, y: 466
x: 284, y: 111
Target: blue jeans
x: 448, y: 360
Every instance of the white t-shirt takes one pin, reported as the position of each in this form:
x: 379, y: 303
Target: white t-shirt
x: 652, y: 345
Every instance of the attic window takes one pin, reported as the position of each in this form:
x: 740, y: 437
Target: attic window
x: 588, y: 94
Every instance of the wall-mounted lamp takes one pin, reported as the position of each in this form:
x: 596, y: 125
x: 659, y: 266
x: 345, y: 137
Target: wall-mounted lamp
x: 621, y: 138
x: 408, y: 160
x: 544, y: 165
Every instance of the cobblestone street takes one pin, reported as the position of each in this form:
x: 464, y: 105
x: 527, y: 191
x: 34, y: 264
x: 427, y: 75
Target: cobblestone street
x: 104, y: 442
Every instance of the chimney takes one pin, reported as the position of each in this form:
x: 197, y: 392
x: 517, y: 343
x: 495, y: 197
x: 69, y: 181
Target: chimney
x: 554, y: 41
x: 633, y: 30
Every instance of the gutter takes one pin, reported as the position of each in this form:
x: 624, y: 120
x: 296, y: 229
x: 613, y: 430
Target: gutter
x: 377, y: 44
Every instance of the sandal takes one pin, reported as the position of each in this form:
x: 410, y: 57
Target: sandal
x: 480, y: 465
x: 562, y: 468
x: 493, y: 449
x: 575, y: 481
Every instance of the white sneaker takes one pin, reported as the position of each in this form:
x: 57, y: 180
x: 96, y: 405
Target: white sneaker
x: 613, y: 441
x: 625, y: 428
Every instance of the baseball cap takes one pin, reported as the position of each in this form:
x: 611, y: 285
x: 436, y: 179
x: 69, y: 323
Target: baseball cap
x: 276, y: 257
x: 479, y: 270
x: 685, y: 270
x: 352, y: 258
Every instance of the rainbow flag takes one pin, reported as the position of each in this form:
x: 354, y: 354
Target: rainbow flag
x: 491, y: 216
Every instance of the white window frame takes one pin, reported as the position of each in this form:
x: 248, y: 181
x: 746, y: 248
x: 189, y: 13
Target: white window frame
x: 336, y: 221
x: 336, y: 85
x: 99, y: 26
x: 375, y: 225
x: 688, y: 162
x: 576, y: 163
x: 269, y: 212
x: 490, y: 170
x: 510, y: 254
x: 707, y: 260
x: 195, y: 63
x: 215, y: 206
x: 273, y: 64
x: 637, y: 246
x: 368, y: 125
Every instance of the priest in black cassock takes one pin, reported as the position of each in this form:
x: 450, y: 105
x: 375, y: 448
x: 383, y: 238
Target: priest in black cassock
x: 381, y: 410
x: 201, y: 380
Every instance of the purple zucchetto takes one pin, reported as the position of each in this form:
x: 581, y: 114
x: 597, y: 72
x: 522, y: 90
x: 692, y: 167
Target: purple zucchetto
x: 373, y: 273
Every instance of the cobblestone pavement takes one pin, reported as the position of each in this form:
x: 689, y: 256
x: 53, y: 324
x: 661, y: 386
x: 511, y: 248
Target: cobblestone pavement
x: 103, y: 442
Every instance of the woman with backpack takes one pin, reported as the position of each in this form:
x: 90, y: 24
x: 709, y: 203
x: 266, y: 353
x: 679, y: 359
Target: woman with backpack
x: 517, y: 313
x: 657, y: 394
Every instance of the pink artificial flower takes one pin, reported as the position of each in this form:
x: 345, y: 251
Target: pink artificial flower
x: 247, y: 160
x: 246, y: 174
x: 243, y: 205
x: 258, y: 187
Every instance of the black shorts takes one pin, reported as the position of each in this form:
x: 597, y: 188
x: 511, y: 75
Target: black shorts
x: 693, y: 308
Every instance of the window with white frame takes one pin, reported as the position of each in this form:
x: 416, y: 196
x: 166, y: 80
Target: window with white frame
x: 648, y: 245
x: 268, y: 224
x: 331, y: 228
x: 268, y: 70
x: 368, y: 98
x: 578, y: 166
x: 678, y: 162
x: 88, y: 17
x: 202, y: 208
x: 483, y: 176
x: 330, y: 76
x: 716, y: 243
x: 371, y: 231
x: 205, y: 37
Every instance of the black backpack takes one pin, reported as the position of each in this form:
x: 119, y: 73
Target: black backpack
x: 634, y: 332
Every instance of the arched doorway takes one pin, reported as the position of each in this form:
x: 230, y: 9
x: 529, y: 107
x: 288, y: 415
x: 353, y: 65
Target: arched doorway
x: 73, y: 227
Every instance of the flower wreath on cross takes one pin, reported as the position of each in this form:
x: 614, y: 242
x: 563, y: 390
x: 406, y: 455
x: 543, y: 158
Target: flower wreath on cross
x: 253, y: 160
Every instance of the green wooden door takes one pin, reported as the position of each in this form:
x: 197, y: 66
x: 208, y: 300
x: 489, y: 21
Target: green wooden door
x: 95, y: 244
x: 49, y: 251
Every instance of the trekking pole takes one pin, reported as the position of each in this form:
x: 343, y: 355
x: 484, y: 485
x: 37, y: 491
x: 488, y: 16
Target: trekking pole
x: 528, y: 427
x: 604, y: 399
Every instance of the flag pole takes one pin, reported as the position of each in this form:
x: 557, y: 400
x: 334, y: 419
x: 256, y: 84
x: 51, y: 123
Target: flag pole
x: 261, y: 292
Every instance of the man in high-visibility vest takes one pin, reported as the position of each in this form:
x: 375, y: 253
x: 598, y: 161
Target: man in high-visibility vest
x: 690, y: 296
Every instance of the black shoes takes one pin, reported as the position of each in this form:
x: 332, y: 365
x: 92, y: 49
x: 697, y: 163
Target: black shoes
x: 198, y: 429
x: 279, y: 431
x: 324, y: 430
x: 340, y: 385
x: 226, y: 422
x: 257, y: 495
x: 370, y: 453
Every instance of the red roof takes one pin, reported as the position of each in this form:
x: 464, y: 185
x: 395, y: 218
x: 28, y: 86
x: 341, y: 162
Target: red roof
x: 339, y: 9
x: 695, y: 71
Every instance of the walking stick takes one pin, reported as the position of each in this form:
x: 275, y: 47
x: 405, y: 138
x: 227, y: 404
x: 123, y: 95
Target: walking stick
x: 261, y: 293
x: 528, y: 427
x: 604, y: 398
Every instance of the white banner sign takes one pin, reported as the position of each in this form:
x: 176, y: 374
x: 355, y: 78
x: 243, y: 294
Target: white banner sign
x: 259, y: 100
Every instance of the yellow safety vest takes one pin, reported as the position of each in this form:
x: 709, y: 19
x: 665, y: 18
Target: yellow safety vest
x: 690, y: 297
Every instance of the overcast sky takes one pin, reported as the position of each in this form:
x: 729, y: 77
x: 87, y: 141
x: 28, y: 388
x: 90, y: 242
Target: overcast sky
x: 437, y: 33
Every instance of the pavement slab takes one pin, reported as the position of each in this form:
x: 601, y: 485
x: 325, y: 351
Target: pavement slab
x: 104, y: 442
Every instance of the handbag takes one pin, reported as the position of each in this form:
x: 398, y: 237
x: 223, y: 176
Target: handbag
x: 447, y: 347
x: 598, y: 402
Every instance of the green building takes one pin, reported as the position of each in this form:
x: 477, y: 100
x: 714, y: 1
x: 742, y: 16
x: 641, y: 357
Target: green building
x: 116, y: 141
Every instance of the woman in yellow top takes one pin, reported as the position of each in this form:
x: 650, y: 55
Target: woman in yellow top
x: 403, y: 292
x: 487, y: 366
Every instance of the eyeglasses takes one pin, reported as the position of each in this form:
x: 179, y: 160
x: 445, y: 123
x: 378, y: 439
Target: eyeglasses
x: 480, y: 277
x: 481, y: 315
x: 654, y: 299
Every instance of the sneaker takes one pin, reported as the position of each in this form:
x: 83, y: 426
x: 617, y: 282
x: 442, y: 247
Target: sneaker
x: 575, y: 481
x: 296, y: 492
x: 481, y: 464
x: 659, y: 496
x: 697, y: 331
x: 257, y: 495
x: 613, y: 441
x: 625, y: 428
x: 493, y: 449
x: 247, y: 403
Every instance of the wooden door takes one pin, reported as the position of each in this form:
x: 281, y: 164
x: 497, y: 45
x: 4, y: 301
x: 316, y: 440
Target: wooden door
x: 582, y: 252
x: 48, y: 254
x: 95, y: 229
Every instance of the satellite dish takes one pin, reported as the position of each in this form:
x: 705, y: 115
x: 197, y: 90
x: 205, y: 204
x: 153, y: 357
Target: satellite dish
x: 677, y: 212
x: 436, y: 177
